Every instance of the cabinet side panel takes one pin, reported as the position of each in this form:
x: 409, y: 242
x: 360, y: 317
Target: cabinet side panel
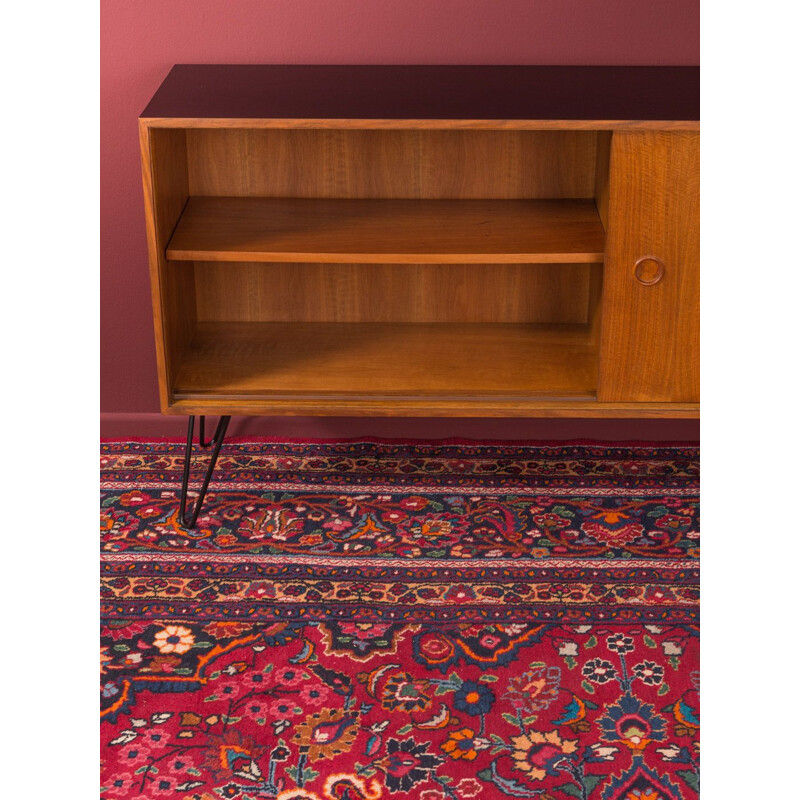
x: 166, y: 189
x: 602, y: 175
x: 649, y: 348
x: 455, y: 164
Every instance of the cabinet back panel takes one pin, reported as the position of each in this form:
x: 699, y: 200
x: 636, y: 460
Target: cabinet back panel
x: 448, y: 164
x: 515, y: 293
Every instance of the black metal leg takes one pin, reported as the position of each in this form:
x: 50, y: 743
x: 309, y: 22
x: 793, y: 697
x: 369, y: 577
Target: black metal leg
x: 219, y: 436
x: 202, y: 437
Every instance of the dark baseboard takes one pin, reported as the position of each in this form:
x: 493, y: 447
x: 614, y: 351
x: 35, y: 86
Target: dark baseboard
x: 120, y: 426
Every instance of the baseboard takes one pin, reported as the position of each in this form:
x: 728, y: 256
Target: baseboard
x: 136, y: 425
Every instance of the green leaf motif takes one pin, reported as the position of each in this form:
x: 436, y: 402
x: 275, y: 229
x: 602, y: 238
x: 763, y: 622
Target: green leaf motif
x: 658, y: 511
x: 488, y: 678
x: 587, y: 687
x: 571, y: 789
x: 405, y: 729
x: 485, y: 774
x: 663, y: 689
x: 511, y: 719
x: 649, y: 641
x: 590, y: 781
x: 592, y: 641
x: 690, y: 778
x: 562, y: 511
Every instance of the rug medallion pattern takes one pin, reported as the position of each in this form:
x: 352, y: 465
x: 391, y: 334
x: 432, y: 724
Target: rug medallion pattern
x: 369, y: 620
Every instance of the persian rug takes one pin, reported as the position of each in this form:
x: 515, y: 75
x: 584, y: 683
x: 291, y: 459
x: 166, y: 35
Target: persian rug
x: 368, y: 620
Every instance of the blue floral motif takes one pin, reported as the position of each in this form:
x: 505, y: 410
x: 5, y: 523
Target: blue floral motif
x: 474, y: 698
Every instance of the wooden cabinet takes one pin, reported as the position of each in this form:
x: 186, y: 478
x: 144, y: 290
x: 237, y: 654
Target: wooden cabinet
x: 438, y: 241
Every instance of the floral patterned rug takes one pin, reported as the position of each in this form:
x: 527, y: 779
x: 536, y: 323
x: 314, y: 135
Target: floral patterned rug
x: 365, y: 620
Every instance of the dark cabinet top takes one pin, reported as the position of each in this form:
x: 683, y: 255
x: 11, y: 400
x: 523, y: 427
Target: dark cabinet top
x: 237, y: 91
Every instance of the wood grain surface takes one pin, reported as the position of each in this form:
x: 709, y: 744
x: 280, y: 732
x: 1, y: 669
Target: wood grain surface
x: 388, y: 231
x: 251, y: 292
x: 251, y: 359
x: 434, y: 165
x: 650, y: 333
x: 166, y: 190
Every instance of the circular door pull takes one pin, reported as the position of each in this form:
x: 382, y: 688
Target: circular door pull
x: 648, y: 270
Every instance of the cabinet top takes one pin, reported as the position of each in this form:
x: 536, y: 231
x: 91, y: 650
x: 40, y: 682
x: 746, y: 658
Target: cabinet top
x: 582, y: 95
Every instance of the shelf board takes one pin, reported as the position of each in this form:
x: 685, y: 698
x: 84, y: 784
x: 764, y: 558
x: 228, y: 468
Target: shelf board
x: 388, y: 231
x: 282, y: 362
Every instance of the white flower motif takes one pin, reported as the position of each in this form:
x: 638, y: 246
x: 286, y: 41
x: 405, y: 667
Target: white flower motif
x: 671, y: 649
x: 568, y: 649
x: 669, y: 753
x: 514, y: 629
x: 174, y: 639
x: 604, y: 752
x: 582, y: 629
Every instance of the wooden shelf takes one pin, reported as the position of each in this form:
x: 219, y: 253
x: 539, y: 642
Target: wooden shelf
x: 391, y: 360
x: 388, y: 231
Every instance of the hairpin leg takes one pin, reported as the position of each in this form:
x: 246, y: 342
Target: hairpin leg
x: 202, y: 436
x: 219, y: 436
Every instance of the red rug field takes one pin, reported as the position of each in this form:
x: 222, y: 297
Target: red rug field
x: 365, y: 620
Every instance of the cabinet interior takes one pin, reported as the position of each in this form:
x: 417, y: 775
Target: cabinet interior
x: 494, y: 299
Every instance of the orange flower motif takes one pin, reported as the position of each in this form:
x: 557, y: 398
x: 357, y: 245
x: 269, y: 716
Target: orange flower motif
x: 174, y: 639
x: 327, y: 733
x: 537, y: 754
x: 461, y: 744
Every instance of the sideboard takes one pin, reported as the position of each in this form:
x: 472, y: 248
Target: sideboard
x: 424, y: 241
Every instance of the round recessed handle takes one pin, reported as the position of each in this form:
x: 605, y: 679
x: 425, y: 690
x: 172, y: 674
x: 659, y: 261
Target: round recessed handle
x: 648, y: 270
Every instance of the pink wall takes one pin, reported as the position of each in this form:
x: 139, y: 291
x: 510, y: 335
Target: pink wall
x: 142, y: 39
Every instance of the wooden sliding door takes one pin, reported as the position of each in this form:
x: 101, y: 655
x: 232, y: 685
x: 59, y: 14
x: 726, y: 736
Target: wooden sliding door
x: 649, y: 347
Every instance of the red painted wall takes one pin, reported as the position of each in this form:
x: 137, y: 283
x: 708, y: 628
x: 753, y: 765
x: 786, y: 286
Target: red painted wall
x: 142, y: 39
